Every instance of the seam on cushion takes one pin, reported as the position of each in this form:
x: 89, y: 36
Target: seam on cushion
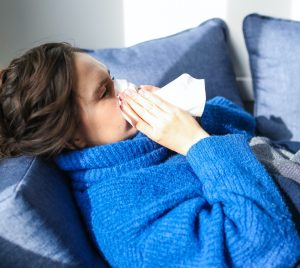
x: 26, y: 172
x: 250, y: 59
x: 275, y: 18
x: 20, y: 182
x: 246, y: 36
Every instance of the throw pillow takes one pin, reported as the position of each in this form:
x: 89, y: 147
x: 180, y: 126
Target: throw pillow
x: 201, y: 51
x: 274, y: 51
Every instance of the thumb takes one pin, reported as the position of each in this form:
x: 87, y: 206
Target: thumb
x: 149, y: 88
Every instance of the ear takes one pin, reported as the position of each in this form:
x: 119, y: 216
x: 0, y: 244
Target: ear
x: 77, y: 143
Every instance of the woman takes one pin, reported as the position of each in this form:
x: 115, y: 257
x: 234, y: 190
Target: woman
x: 167, y: 191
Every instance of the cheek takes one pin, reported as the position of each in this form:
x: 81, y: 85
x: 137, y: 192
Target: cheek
x: 104, y: 117
x: 120, y: 120
x: 107, y: 116
x: 105, y: 124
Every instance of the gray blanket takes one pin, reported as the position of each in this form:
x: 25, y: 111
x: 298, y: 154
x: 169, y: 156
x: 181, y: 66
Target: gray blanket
x: 277, y: 160
x: 284, y: 167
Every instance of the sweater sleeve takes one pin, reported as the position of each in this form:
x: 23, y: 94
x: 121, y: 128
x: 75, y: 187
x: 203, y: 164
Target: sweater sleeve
x: 230, y: 215
x: 246, y: 201
x: 221, y: 116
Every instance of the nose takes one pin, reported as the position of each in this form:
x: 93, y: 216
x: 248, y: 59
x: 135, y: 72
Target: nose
x: 122, y: 84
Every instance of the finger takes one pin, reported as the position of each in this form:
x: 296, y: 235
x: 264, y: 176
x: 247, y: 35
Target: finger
x: 145, y: 128
x: 142, y: 102
x: 158, y: 101
x: 130, y: 113
x: 147, y: 116
x: 139, y: 123
x: 146, y: 104
x: 149, y: 88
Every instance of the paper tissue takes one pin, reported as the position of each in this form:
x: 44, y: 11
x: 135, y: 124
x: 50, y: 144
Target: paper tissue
x: 185, y: 92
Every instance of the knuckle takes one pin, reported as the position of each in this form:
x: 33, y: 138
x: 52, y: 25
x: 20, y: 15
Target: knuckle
x: 174, y: 114
x: 177, y: 111
x: 157, y: 134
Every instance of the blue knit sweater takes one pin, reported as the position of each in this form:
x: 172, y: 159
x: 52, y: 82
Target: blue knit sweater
x: 147, y: 206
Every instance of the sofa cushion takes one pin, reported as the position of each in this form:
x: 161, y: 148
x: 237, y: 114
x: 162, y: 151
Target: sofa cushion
x: 201, y: 51
x: 274, y: 52
x: 39, y: 223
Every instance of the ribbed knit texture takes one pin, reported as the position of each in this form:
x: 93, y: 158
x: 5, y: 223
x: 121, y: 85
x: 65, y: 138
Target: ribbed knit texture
x: 147, y: 206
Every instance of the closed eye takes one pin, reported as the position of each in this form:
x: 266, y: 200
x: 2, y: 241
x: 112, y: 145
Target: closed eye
x: 104, y: 88
x: 106, y: 92
x: 107, y: 89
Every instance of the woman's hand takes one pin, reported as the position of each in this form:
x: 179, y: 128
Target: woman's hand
x: 161, y: 121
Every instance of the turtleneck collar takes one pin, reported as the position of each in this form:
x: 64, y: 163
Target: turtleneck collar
x: 136, y: 151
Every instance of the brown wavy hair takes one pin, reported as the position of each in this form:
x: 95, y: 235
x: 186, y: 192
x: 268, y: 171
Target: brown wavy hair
x: 38, y: 114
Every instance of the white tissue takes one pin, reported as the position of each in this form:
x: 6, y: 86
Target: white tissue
x: 120, y: 85
x: 185, y: 92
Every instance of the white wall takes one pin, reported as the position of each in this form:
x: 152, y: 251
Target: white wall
x: 119, y: 23
x: 144, y: 20
x: 89, y: 23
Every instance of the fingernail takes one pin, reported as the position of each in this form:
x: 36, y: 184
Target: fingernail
x: 141, y: 92
x: 121, y: 98
x: 130, y: 92
x: 144, y: 92
x: 140, y: 88
x: 122, y: 103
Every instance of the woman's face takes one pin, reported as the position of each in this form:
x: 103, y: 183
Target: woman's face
x: 100, y: 114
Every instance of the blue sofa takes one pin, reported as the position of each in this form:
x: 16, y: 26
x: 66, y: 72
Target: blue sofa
x: 40, y: 224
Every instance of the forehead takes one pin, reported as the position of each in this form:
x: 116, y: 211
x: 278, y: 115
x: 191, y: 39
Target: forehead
x: 88, y: 73
x: 85, y: 64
